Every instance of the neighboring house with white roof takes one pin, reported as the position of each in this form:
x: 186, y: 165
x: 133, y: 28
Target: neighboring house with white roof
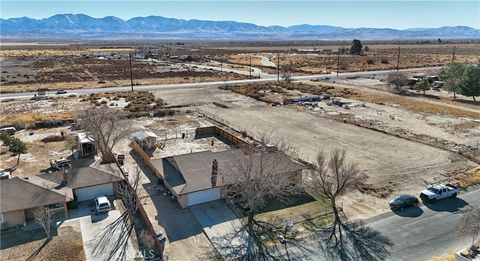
x: 86, y: 145
x: 146, y: 139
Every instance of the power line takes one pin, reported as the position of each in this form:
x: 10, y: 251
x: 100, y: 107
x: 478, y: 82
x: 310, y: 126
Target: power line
x: 278, y: 66
x: 453, y: 53
x: 250, y: 68
x: 131, y: 73
x: 398, y: 59
x: 338, y: 61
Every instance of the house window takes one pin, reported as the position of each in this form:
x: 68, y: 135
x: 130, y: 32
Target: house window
x: 55, y: 206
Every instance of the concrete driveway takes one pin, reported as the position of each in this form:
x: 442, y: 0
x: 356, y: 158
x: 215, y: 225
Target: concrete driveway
x: 104, y: 238
x: 222, y: 227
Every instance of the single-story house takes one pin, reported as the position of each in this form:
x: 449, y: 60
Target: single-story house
x: 86, y: 145
x: 200, y: 177
x: 89, y: 182
x: 20, y: 196
x: 146, y: 139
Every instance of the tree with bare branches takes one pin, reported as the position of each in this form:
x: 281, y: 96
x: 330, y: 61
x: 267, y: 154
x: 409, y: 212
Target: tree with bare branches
x: 397, y: 80
x: 43, y: 217
x: 331, y: 177
x: 287, y: 74
x: 257, y: 178
x: 107, y: 127
x: 470, y: 224
x: 127, y: 192
x: 70, y: 143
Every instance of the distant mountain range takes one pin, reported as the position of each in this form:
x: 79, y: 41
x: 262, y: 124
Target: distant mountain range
x: 80, y: 26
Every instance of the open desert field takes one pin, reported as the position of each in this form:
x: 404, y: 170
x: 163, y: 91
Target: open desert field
x: 30, y: 66
x: 75, y: 67
x: 323, y: 59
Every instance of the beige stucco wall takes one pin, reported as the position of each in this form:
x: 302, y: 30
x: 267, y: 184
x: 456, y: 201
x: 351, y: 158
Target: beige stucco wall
x: 183, y: 200
x: 13, y: 218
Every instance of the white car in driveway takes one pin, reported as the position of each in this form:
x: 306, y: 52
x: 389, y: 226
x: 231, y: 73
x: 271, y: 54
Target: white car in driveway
x: 102, y: 204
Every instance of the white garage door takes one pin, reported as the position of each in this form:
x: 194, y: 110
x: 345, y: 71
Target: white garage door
x: 203, y: 196
x: 93, y: 191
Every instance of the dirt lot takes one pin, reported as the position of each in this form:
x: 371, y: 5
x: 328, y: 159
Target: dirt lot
x: 39, y: 153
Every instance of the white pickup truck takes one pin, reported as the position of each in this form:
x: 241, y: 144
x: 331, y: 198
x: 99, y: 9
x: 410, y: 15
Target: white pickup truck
x: 435, y: 192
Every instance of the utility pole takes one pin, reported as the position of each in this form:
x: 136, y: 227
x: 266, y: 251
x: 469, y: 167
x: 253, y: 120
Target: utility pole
x: 338, y: 61
x: 131, y: 73
x: 453, y: 54
x: 398, y: 59
x: 221, y: 66
x: 278, y: 66
x: 250, y: 68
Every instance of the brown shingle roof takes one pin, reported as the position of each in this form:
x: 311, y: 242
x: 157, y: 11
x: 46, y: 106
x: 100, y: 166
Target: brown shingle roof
x: 87, y: 176
x: 18, y: 194
x: 192, y: 172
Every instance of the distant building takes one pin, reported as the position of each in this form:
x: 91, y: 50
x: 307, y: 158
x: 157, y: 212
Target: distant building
x: 185, y: 57
x: 138, y: 56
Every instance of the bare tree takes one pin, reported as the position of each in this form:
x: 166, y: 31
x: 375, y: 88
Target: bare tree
x: 397, y: 80
x: 470, y: 224
x: 257, y: 178
x: 107, y: 127
x: 43, y: 217
x: 286, y: 74
x: 127, y: 192
x: 279, y: 143
x: 332, y: 177
x: 70, y: 143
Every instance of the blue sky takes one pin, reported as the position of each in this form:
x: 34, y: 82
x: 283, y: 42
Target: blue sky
x: 386, y: 13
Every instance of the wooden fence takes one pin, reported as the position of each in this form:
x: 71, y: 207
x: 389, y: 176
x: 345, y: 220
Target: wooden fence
x: 144, y: 155
x: 159, y: 247
x: 216, y: 131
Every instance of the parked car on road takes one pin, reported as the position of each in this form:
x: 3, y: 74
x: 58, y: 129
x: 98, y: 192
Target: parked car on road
x: 61, y: 91
x: 435, y: 192
x: 102, y: 204
x: 403, y: 201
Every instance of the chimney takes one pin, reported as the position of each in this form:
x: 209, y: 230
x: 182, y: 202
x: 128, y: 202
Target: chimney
x: 214, y: 172
x: 65, y: 177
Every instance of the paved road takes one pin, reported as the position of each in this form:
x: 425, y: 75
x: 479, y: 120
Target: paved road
x: 24, y: 95
x: 428, y: 231
x: 419, y: 233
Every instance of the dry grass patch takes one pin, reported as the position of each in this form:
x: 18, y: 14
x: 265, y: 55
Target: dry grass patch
x: 448, y: 257
x: 375, y: 190
x: 68, y: 245
x: 465, y: 126
x: 36, y: 117
x: 468, y: 178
